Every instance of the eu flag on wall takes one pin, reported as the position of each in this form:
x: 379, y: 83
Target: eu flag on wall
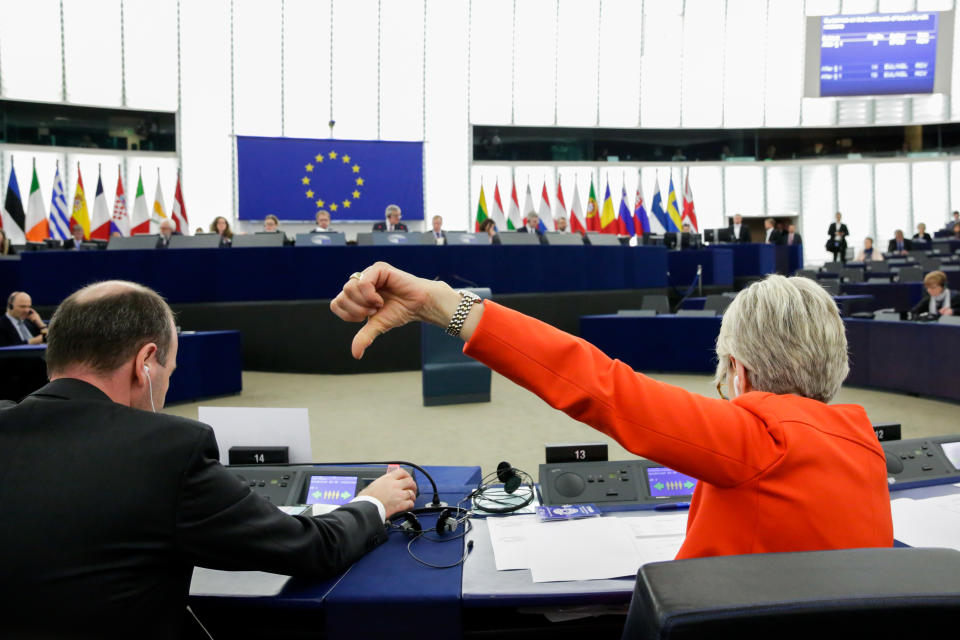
x: 293, y: 178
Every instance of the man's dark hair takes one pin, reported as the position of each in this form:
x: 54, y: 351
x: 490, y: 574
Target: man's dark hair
x: 104, y: 331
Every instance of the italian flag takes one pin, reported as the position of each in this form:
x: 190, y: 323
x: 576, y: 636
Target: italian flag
x: 140, y: 221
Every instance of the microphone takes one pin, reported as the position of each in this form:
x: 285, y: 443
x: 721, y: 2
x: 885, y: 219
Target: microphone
x: 700, y: 280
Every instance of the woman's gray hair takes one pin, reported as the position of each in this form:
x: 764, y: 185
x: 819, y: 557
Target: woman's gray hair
x: 788, y: 335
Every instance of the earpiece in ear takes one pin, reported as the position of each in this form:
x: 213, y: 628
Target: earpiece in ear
x: 410, y: 526
x: 509, y: 477
x: 447, y: 522
x: 147, y: 369
x: 736, y: 385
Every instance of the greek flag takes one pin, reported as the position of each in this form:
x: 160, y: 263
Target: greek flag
x: 59, y: 220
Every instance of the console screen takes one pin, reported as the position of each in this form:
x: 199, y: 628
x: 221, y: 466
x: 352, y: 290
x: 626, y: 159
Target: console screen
x: 331, y: 490
x: 663, y: 482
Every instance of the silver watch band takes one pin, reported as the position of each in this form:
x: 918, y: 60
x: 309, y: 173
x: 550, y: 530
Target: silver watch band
x: 467, y: 300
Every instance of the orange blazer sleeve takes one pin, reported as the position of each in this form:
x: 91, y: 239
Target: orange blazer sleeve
x: 710, y: 439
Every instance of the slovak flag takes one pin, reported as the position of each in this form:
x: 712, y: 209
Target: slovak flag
x: 640, y: 219
x: 624, y: 218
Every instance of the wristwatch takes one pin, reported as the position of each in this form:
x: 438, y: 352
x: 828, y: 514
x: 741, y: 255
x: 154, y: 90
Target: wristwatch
x: 467, y: 300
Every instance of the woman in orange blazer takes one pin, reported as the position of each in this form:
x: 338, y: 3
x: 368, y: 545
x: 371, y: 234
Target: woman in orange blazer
x: 780, y: 469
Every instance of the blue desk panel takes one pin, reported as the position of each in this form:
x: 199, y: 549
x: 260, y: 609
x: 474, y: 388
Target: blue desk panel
x: 717, y: 267
x: 209, y: 364
x: 751, y: 259
x: 893, y: 356
x: 310, y: 273
x: 894, y: 295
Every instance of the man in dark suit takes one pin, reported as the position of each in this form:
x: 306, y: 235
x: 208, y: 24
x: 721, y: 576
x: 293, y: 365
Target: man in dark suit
x: 899, y: 245
x: 792, y: 236
x: 21, y: 324
x: 771, y: 234
x: 533, y: 226
x: 130, y: 499
x: 837, y: 239
x: 393, y: 220
x: 74, y: 243
x: 738, y: 230
x: 439, y: 235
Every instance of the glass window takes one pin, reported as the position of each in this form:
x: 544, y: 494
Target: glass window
x: 893, y: 201
x: 930, y: 196
x: 150, y: 51
x: 30, y: 50
x: 491, y: 50
x: 535, y: 58
x: 742, y: 98
x: 706, y: 185
x: 855, y: 200
x: 355, y: 69
x: 306, y: 69
x: 256, y: 68
x: 401, y: 70
x: 819, y: 207
x: 661, y: 71
x: 783, y: 86
x: 702, y: 67
x: 577, y: 63
x: 91, y: 32
x: 743, y: 191
x: 620, y: 48
x: 783, y: 190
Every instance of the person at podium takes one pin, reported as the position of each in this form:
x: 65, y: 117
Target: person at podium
x: 392, y: 222
x: 489, y: 227
x: 323, y: 222
x: 221, y: 227
x: 130, y: 500
x: 780, y: 468
x: 739, y: 231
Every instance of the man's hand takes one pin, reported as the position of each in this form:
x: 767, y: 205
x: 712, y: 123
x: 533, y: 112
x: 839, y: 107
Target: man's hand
x: 396, y: 491
x: 387, y: 298
x: 946, y: 311
x: 34, y: 317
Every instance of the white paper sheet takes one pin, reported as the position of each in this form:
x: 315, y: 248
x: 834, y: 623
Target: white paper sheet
x: 509, y: 537
x: 588, y: 549
x: 258, y: 426
x: 932, y: 522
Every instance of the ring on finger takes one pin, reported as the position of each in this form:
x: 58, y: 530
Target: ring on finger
x: 356, y: 275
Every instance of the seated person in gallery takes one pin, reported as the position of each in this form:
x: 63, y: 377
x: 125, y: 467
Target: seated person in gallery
x: 167, y: 231
x: 955, y: 231
x: 792, y: 237
x: 489, y: 227
x: 532, y: 225
x: 782, y: 357
x: 323, y: 222
x: 74, y: 243
x: 271, y: 224
x: 221, y: 226
x: 436, y: 228
x: 21, y: 324
x: 922, y: 234
x: 868, y: 253
x: 738, y: 230
x: 899, y: 245
x: 938, y: 299
x: 392, y: 222
x: 561, y: 224
x: 954, y: 219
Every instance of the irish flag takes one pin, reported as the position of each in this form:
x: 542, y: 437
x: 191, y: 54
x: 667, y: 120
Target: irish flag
x: 37, y: 228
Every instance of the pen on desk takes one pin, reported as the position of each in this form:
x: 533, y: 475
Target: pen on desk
x: 673, y: 506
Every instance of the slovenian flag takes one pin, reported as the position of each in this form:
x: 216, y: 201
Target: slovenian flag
x: 624, y: 217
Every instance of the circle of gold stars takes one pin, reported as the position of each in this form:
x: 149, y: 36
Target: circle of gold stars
x: 327, y: 159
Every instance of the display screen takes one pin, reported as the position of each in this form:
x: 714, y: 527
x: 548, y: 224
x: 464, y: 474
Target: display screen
x: 667, y: 483
x: 878, y: 54
x: 333, y: 490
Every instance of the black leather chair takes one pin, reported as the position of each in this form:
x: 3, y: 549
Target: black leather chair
x: 851, y: 593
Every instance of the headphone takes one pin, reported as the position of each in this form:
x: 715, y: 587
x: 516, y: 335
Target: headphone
x: 146, y: 370
x: 11, y: 298
x: 486, y: 499
x: 448, y: 522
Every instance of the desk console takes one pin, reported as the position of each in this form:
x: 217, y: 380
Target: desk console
x: 307, y: 484
x: 639, y: 484
x: 921, y: 461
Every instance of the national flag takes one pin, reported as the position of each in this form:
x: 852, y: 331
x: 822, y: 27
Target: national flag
x: 673, y: 211
x: 496, y: 209
x: 101, y: 214
x: 120, y: 221
x: 608, y: 217
x: 576, y: 212
x: 624, y: 217
x: 179, y: 211
x: 159, y: 214
x: 37, y: 228
x: 593, y: 213
x: 689, y: 213
x: 561, y: 206
x: 544, y: 213
x: 528, y: 204
x: 513, y: 215
x: 656, y: 208
x: 59, y: 221
x: 481, y: 209
x: 140, y: 220
x: 80, y: 214
x: 640, y: 220
x: 13, y: 220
